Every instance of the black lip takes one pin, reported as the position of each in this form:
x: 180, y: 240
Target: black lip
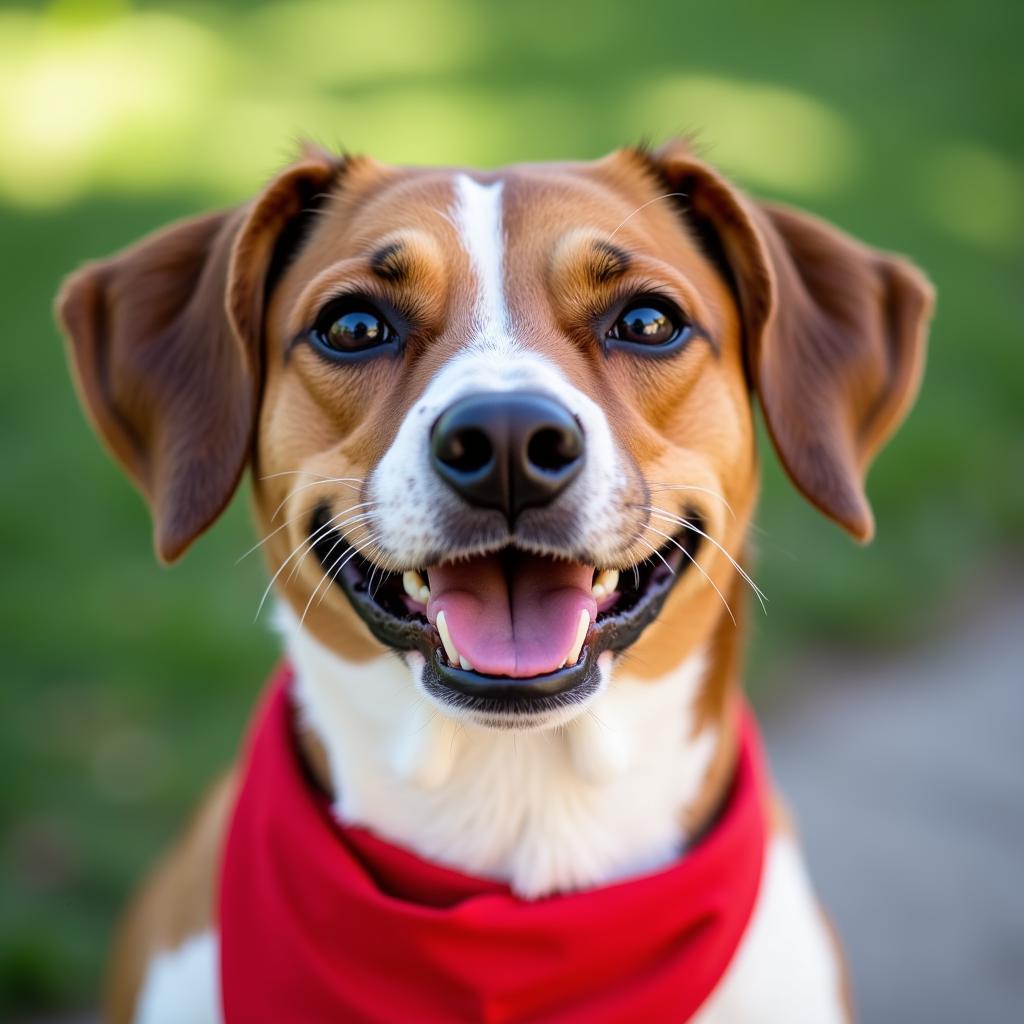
x: 503, y: 698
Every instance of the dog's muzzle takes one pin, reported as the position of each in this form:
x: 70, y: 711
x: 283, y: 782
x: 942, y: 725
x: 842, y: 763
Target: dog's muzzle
x: 508, y: 450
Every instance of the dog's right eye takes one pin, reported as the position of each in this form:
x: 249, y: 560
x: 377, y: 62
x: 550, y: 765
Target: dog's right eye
x: 352, y: 326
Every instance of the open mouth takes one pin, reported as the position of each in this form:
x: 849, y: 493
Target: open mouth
x: 511, y: 633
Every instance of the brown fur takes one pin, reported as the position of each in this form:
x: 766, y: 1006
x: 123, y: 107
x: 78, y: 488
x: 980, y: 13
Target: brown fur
x: 188, y: 368
x: 176, y: 900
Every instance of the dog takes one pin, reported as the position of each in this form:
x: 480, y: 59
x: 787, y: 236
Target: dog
x: 501, y: 437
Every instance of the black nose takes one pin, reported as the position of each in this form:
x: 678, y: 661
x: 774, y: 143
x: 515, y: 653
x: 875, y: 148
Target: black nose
x: 507, y: 450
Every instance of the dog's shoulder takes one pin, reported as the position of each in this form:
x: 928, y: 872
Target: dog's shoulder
x: 174, y: 911
x: 789, y: 967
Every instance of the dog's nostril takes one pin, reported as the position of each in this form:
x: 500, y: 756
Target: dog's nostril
x: 507, y: 450
x: 466, y: 451
x: 553, y: 448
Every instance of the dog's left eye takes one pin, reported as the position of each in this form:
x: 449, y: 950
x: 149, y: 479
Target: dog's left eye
x: 650, y: 323
x: 350, y: 326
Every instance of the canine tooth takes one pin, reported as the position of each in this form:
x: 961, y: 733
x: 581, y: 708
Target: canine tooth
x: 414, y: 586
x: 577, y: 643
x: 605, y: 584
x: 454, y: 658
x: 464, y: 663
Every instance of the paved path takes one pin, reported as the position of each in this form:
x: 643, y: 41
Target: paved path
x: 907, y: 778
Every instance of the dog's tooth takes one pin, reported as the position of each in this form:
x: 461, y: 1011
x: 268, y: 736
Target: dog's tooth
x: 424, y: 595
x: 464, y: 663
x: 606, y: 582
x: 454, y: 658
x: 577, y: 643
x: 414, y: 585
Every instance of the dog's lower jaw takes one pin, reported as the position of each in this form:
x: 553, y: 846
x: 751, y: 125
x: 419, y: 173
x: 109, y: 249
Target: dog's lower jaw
x: 600, y: 799
x: 426, y: 754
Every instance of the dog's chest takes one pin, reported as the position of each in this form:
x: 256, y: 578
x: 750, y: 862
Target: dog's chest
x: 561, y: 809
x: 784, y: 971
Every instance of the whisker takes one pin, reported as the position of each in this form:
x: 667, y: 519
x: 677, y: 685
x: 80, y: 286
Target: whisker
x: 656, y: 199
x: 280, y: 569
x: 655, y: 551
x: 693, y: 487
x: 310, y: 540
x: 288, y: 522
x: 739, y: 568
x: 306, y: 472
x: 338, y: 526
x: 373, y: 576
x: 329, y: 574
x: 686, y: 524
x: 360, y: 549
x: 334, y: 571
x: 334, y: 547
x: 696, y: 565
x: 349, y: 481
x: 444, y: 215
x: 274, y: 532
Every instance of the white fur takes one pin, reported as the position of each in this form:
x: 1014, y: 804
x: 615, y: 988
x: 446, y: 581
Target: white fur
x: 785, y: 971
x: 412, y: 503
x: 183, y: 984
x: 598, y: 799
x: 478, y: 216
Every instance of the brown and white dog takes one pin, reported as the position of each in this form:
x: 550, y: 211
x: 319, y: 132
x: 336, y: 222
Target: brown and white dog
x: 515, y: 407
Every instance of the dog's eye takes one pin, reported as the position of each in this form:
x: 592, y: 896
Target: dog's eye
x: 352, y: 325
x: 650, y: 323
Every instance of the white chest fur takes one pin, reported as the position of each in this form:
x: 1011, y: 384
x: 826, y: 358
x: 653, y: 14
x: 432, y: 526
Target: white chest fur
x: 599, y: 799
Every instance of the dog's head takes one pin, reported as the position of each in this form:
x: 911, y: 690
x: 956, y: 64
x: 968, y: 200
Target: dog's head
x: 500, y: 421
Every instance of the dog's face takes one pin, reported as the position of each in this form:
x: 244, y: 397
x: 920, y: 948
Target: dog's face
x: 498, y: 422
x: 503, y: 411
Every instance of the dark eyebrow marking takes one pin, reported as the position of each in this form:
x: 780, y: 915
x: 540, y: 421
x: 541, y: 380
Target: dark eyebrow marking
x: 611, y: 262
x: 389, y: 263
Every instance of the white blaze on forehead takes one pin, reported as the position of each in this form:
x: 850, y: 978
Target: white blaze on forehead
x: 477, y: 215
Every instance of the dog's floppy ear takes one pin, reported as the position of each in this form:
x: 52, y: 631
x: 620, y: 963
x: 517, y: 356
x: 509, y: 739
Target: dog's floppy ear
x: 834, y: 332
x: 165, y: 346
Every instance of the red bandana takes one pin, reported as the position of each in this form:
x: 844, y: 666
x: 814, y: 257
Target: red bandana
x: 321, y: 922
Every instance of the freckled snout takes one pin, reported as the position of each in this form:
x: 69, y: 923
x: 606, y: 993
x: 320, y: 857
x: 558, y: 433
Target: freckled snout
x: 508, y: 450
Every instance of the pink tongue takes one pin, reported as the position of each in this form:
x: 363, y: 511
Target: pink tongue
x: 512, y: 618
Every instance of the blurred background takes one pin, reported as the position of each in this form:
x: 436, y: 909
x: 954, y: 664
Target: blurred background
x: 890, y: 677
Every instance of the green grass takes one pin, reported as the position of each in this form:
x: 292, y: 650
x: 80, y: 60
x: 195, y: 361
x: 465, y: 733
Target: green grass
x: 126, y: 686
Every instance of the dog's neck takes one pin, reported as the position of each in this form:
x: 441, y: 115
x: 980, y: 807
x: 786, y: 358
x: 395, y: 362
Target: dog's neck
x: 615, y: 793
